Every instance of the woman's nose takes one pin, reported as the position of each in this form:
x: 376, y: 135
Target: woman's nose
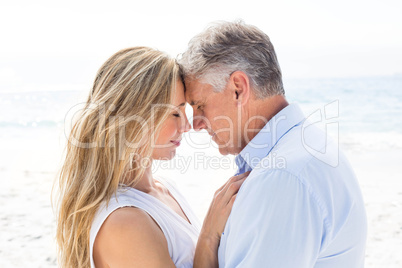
x: 186, y: 127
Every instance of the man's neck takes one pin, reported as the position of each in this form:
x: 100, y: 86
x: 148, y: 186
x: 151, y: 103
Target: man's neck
x: 258, y: 113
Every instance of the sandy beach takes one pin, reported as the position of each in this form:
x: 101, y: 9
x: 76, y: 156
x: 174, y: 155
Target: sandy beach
x: 379, y: 175
x: 27, y: 223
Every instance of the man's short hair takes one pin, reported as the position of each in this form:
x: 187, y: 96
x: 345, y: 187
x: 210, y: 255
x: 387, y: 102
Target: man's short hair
x: 225, y: 47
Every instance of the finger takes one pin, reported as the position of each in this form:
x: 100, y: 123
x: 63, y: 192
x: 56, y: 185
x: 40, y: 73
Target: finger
x: 228, y: 207
x: 234, y: 187
x: 233, y: 179
x: 230, y: 180
x: 217, y: 192
x: 232, y: 190
x: 220, y: 188
x: 243, y: 175
x: 232, y: 200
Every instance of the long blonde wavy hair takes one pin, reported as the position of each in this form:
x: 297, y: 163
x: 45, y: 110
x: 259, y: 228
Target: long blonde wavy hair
x: 115, y: 125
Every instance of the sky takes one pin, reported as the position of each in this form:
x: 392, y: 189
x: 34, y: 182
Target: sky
x: 55, y: 45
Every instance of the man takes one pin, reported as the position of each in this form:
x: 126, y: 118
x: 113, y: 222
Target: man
x: 301, y: 205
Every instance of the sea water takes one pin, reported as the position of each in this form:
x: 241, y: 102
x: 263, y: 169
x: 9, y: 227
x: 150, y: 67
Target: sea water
x: 368, y: 108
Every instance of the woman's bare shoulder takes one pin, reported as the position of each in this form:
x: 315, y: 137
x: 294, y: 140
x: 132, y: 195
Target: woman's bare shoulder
x: 129, y: 219
x: 129, y: 235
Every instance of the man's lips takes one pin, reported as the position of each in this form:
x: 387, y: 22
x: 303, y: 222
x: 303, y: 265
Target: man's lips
x: 213, y: 136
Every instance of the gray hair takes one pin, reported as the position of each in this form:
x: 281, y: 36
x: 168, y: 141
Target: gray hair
x: 225, y: 47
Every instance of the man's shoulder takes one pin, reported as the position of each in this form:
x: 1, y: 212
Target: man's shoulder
x: 264, y: 180
x: 312, y: 159
x: 302, y: 148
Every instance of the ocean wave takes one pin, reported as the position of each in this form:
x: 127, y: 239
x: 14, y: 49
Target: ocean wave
x: 371, y: 141
x: 31, y: 124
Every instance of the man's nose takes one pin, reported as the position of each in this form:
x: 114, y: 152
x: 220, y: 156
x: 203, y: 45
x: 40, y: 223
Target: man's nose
x: 199, y: 123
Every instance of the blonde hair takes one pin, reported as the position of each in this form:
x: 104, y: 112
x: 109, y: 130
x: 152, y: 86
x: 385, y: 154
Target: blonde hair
x: 97, y: 157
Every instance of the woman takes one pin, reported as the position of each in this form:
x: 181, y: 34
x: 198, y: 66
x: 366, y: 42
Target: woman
x: 112, y: 211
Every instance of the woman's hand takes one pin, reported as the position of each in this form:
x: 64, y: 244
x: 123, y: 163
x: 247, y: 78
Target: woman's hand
x: 221, y: 206
x: 214, y: 223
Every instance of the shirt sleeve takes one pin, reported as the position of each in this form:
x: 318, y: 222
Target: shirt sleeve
x: 276, y: 221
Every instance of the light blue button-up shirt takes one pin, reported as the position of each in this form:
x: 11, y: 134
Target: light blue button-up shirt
x: 301, y: 205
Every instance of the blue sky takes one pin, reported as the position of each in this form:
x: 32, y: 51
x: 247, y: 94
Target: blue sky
x: 60, y: 45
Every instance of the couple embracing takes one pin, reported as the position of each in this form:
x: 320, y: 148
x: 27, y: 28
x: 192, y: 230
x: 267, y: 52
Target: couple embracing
x: 113, y: 212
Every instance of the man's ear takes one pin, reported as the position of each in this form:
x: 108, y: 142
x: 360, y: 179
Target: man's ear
x: 240, y: 87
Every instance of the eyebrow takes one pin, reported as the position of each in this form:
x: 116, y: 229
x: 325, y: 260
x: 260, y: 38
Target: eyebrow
x: 182, y: 104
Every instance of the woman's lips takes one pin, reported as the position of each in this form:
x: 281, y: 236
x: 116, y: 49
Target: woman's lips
x: 177, y: 143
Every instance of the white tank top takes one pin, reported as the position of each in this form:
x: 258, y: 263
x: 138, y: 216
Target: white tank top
x: 181, y: 236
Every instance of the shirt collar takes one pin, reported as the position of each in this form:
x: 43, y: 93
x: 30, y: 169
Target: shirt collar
x: 269, y: 135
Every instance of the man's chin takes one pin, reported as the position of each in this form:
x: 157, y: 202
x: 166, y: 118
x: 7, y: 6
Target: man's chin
x: 224, y: 150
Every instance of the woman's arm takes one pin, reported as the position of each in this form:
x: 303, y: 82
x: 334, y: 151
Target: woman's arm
x: 130, y: 237
x: 206, y: 254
